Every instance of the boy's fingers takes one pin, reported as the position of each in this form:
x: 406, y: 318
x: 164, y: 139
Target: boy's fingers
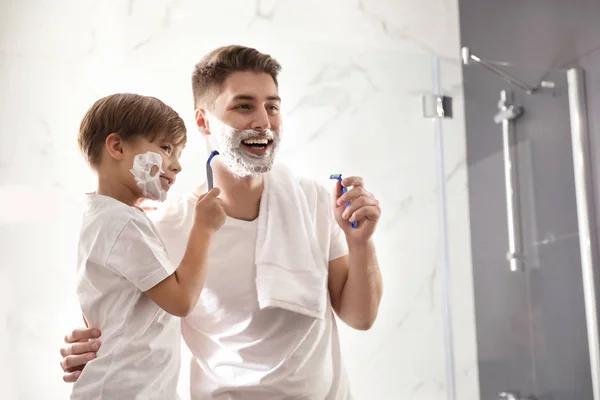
x: 215, y: 192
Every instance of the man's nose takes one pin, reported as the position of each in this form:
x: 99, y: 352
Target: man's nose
x: 261, y: 121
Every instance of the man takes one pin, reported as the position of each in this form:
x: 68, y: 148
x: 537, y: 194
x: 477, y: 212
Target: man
x: 243, y: 346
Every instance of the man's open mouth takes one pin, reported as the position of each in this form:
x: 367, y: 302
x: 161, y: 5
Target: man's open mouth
x: 257, y: 143
x: 257, y: 146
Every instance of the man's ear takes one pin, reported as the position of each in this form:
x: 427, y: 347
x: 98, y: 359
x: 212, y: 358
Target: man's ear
x: 114, y: 146
x: 200, y: 117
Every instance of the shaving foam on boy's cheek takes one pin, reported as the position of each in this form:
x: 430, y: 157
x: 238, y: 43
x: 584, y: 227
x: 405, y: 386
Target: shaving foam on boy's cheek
x: 146, y: 171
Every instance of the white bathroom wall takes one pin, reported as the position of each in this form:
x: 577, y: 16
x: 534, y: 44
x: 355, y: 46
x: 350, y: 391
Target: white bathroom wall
x: 353, y: 74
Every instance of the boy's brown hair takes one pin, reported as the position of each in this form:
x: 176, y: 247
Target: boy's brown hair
x: 130, y: 116
x: 210, y: 73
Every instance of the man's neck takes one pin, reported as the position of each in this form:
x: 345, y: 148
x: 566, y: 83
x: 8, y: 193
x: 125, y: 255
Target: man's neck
x: 241, y: 196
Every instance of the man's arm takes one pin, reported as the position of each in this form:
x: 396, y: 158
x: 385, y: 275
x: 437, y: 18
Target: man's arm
x: 355, y: 286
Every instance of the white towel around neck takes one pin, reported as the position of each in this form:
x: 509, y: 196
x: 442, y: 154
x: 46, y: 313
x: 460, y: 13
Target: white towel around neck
x: 291, y: 271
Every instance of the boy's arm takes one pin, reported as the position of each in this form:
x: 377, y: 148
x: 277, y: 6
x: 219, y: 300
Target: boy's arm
x: 139, y: 255
x: 179, y: 292
x: 176, y: 294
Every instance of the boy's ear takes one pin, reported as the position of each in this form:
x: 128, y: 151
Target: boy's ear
x: 114, y: 146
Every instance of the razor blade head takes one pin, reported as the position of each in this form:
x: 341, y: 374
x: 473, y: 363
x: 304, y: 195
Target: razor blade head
x: 336, y: 176
x: 212, y: 155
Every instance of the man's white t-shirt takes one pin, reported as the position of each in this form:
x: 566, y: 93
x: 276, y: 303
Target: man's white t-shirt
x: 120, y: 257
x: 241, y: 352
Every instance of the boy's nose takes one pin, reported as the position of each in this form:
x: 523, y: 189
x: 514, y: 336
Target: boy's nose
x: 175, y: 167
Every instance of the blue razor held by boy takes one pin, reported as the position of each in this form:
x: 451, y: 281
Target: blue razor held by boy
x: 209, y: 171
x: 338, y: 177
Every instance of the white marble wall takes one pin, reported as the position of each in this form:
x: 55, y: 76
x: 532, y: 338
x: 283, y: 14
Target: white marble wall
x: 353, y: 75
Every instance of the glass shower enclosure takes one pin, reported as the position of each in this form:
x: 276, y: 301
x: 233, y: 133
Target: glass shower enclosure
x: 525, y: 199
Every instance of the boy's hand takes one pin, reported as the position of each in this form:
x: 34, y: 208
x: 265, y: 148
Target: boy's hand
x: 81, y: 349
x: 209, y: 212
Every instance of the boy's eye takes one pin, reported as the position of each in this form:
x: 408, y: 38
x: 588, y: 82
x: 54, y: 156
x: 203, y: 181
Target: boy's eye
x: 166, y: 149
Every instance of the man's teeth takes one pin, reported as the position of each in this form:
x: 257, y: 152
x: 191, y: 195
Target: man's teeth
x: 260, y: 142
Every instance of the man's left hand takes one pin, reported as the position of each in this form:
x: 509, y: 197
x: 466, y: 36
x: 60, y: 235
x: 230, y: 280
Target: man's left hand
x: 363, y: 209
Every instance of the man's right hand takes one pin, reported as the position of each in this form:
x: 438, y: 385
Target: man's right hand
x: 79, y: 349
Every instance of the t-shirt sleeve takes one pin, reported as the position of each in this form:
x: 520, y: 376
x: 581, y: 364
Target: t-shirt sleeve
x: 140, y: 256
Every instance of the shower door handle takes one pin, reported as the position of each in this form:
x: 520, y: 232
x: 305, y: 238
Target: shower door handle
x: 506, y: 116
x: 513, y: 396
x: 509, y: 396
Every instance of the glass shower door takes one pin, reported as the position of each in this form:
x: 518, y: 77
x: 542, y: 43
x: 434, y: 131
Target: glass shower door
x: 526, y: 219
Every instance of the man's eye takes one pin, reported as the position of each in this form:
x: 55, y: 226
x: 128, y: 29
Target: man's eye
x: 244, y: 106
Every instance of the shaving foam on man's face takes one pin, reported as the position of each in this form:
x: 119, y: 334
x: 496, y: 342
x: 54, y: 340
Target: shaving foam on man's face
x: 244, y: 152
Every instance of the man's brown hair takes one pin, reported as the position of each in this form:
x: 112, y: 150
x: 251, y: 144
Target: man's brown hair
x: 210, y: 73
x: 130, y: 116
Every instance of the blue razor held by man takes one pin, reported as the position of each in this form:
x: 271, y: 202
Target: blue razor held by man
x: 338, y: 177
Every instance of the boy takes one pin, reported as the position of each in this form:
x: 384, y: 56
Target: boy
x: 126, y: 285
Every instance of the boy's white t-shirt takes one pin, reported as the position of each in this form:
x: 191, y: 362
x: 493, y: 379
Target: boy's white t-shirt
x: 241, y: 352
x: 120, y: 257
